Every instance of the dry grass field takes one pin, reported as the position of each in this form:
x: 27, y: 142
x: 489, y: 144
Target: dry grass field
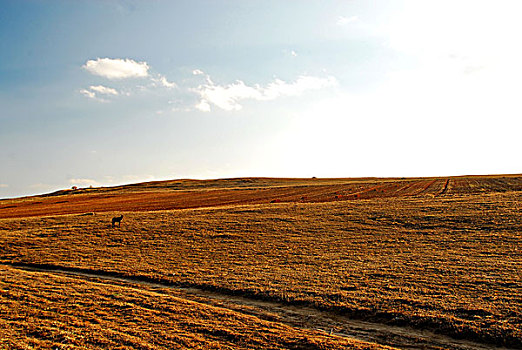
x: 437, y: 256
x: 42, y: 310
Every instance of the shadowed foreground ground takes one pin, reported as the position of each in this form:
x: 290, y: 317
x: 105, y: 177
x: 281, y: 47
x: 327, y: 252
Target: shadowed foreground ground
x: 48, y: 311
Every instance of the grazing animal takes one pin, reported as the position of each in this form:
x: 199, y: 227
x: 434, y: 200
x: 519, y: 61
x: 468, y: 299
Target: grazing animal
x: 117, y: 219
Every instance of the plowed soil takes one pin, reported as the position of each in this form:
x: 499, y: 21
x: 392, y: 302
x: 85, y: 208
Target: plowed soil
x: 184, y: 194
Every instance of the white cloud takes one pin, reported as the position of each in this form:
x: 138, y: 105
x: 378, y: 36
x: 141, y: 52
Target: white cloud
x: 84, y: 182
x: 121, y: 69
x: 293, y: 53
x: 94, y: 91
x: 227, y: 97
x: 88, y: 93
x: 342, y: 21
x: 117, y: 68
x: 203, y: 106
x: 4, y: 185
x: 103, y: 90
x: 162, y: 81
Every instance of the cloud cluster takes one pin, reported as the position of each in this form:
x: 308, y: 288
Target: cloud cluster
x: 117, y: 68
x: 121, y: 69
x: 228, y: 97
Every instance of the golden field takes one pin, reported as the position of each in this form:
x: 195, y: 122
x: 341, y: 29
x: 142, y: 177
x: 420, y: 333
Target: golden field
x: 437, y: 255
x: 47, y: 311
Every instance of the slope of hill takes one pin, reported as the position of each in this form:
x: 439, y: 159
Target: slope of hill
x: 411, y: 263
x: 182, y: 194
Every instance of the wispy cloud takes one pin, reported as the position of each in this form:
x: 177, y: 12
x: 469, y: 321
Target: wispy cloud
x: 228, y: 97
x: 88, y: 93
x: 117, y: 68
x: 4, y: 185
x: 94, y: 92
x: 103, y: 90
x: 160, y: 80
x: 342, y: 21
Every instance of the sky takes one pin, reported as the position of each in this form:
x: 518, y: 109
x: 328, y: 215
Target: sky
x: 101, y: 93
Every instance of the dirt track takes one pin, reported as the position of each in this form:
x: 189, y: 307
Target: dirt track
x: 297, y: 316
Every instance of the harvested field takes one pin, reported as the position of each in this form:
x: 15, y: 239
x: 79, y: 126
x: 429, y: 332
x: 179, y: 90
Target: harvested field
x: 184, y: 194
x: 436, y: 254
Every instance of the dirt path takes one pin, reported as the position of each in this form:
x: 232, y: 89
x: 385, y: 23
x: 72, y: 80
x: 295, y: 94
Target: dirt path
x: 297, y: 316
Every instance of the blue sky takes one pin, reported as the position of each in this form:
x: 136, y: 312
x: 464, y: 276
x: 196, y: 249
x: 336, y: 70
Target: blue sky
x: 110, y: 92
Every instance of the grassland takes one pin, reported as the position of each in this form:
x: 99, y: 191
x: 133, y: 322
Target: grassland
x: 441, y: 254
